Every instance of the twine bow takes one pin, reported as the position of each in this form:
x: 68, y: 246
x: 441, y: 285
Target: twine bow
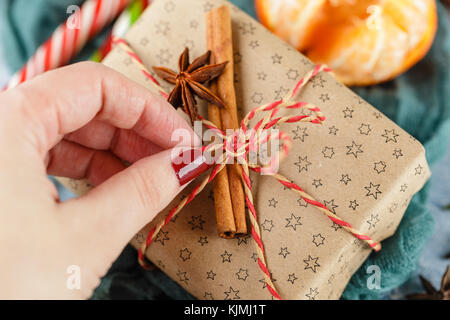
x: 238, y: 145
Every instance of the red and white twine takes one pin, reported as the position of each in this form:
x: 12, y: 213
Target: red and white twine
x: 249, y: 139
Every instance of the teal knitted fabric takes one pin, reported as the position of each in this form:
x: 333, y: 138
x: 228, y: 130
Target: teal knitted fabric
x: 26, y: 24
x: 418, y: 101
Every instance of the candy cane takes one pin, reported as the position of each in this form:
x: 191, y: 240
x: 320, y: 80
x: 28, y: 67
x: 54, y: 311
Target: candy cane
x: 68, y: 39
x: 123, y: 23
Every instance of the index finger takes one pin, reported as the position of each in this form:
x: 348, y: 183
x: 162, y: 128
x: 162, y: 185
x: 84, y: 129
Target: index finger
x: 64, y: 100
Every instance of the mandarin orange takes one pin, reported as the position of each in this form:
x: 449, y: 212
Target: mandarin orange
x: 365, y: 42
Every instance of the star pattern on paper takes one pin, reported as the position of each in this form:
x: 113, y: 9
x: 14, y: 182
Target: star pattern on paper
x: 359, y: 99
x: 291, y: 278
x: 232, y: 294
x: 162, y: 27
x: 254, y: 44
x: 301, y: 202
x: 335, y: 226
x: 208, y: 6
x: 254, y: 257
x: 311, y: 263
x: 127, y: 61
x: 139, y: 238
x: 403, y: 187
x: 312, y: 293
x: 317, y: 183
x: 194, y: 24
x: 353, y: 204
x: 293, y: 221
x: 276, y: 58
x: 284, y: 252
x: 263, y: 281
x: 331, y: 205
x: 144, y: 41
x: 377, y: 115
x: 242, y: 274
x: 348, y: 113
x: 330, y: 279
x: 380, y: 167
x: 333, y: 130
x: 354, y: 149
x: 318, y: 239
x: 273, y: 203
x: 418, y: 170
x: 292, y: 74
x: 210, y: 275
x: 169, y: 6
x: 398, y: 153
x: 247, y: 28
x: 390, y: 135
x: 257, y: 97
x: 390, y: 225
x: 164, y: 56
x: 196, y: 222
x: 182, y: 276
x: 374, y: 219
x: 373, y: 190
x: 185, y: 254
x: 226, y: 257
x: 267, y: 225
x: 242, y: 239
x: 162, y: 236
x: 302, y: 163
x: 318, y: 81
x: 161, y: 264
x: 208, y: 296
x: 281, y: 92
x: 393, y: 207
x: 300, y: 134
x: 262, y: 76
x: 305, y: 61
x: 328, y: 152
x: 324, y: 97
x: 203, y: 240
x: 345, y: 179
x: 364, y: 129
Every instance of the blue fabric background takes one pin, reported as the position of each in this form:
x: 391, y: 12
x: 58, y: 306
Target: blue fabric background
x: 418, y: 101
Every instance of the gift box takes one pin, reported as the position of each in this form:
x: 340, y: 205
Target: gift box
x: 360, y: 164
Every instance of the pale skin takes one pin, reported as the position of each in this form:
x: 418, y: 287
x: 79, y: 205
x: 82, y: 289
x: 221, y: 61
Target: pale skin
x: 78, y: 122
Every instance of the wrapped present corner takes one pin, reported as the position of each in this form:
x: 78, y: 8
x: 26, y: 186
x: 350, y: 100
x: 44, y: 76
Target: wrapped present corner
x: 359, y: 163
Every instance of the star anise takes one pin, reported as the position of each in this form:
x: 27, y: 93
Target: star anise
x: 431, y: 293
x: 189, y: 81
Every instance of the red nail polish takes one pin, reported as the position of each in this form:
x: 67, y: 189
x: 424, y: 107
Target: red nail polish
x: 189, y: 164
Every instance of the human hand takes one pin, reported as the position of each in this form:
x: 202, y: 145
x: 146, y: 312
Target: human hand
x: 78, y: 122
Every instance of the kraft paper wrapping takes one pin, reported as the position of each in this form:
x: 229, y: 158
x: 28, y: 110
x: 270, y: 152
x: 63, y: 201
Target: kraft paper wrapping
x: 359, y: 163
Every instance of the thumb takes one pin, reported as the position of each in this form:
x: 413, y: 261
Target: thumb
x: 111, y: 214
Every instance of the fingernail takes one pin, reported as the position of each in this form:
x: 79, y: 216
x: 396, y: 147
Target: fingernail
x: 189, y: 164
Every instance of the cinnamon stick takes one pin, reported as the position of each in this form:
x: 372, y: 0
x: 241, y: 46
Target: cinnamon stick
x: 222, y: 198
x: 219, y: 36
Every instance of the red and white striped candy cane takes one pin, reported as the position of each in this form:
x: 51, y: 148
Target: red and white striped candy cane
x: 67, y: 40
